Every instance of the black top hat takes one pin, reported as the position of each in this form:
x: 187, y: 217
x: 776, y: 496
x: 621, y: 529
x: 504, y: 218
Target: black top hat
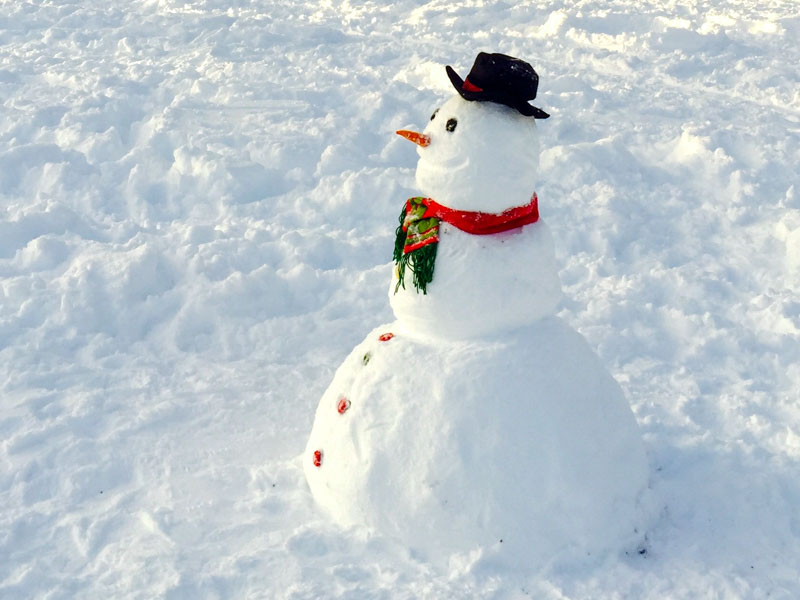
x: 502, y: 79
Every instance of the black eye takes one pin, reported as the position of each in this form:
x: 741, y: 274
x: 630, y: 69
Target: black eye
x: 434, y: 114
x: 451, y: 124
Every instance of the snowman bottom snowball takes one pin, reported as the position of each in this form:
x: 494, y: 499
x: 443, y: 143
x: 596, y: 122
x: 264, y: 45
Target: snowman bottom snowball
x: 522, y: 448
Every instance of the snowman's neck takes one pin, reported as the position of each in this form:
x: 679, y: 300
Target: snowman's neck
x: 482, y: 223
x: 417, y: 236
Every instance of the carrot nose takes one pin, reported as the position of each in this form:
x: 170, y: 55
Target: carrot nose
x: 418, y: 138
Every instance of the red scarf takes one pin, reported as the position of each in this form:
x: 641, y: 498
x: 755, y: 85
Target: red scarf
x: 481, y: 223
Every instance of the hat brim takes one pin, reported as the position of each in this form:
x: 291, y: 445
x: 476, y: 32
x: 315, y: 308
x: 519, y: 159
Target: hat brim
x: 522, y: 106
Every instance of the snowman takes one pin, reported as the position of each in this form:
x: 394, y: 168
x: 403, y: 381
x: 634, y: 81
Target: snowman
x: 479, y: 423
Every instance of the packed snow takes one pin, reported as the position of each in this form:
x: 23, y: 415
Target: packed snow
x: 198, y: 209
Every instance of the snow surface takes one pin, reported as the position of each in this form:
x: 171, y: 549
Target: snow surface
x: 198, y: 207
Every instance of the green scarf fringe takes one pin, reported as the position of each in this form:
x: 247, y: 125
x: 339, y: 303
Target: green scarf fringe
x: 421, y: 261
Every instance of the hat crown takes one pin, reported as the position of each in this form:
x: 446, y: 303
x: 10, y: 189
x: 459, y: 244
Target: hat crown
x: 503, y: 73
x: 502, y: 79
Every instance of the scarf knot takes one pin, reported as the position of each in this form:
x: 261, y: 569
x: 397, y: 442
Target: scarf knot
x: 417, y: 236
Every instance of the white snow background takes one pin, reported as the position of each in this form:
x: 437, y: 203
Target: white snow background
x: 198, y: 207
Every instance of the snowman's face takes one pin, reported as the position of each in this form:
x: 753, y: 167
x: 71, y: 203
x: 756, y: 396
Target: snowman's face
x: 482, y: 156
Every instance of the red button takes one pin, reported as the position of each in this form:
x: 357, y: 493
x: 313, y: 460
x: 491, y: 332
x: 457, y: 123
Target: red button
x: 343, y: 405
x: 317, y: 458
x: 386, y: 337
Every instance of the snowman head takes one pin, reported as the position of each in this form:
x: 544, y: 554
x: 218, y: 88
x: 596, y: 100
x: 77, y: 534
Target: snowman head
x: 477, y: 156
x: 480, y: 152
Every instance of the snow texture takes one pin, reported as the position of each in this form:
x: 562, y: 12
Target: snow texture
x: 198, y: 200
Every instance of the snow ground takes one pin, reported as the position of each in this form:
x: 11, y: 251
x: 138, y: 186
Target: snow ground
x: 198, y: 203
